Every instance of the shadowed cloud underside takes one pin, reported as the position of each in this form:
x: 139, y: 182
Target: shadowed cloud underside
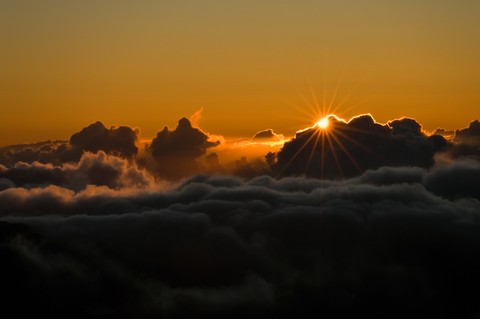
x: 356, y: 218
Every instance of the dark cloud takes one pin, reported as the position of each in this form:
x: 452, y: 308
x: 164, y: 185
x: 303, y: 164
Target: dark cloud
x: 176, y: 151
x: 443, y: 132
x: 349, y: 148
x: 462, y: 151
x: 53, y: 152
x: 391, y: 240
x: 456, y: 181
x: 94, y: 236
x: 93, y: 138
x: 465, y: 143
x: 246, y: 169
x: 96, y: 137
x: 405, y: 126
x: 214, y: 165
x: 93, y: 169
x: 469, y: 135
x: 267, y: 135
x: 5, y: 183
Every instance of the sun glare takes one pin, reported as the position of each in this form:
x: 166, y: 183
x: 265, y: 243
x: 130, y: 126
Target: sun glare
x: 323, y: 123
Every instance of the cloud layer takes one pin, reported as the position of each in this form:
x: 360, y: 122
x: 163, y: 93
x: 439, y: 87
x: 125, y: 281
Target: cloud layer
x: 392, y: 231
x: 97, y: 169
x: 392, y: 239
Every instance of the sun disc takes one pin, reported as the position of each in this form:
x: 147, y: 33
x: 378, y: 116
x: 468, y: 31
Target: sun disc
x: 323, y: 123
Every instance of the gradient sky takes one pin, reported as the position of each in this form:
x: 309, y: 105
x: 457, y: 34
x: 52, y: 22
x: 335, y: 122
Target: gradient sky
x: 249, y: 64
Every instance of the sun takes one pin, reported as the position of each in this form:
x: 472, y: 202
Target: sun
x: 323, y: 123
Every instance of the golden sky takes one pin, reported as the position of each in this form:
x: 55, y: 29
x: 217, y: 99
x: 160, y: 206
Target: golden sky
x: 251, y: 65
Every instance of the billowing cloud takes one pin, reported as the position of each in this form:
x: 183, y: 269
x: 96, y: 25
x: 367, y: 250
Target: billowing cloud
x: 349, y: 148
x: 119, y: 141
x: 388, y: 239
x: 97, y: 237
x: 96, y: 137
x: 176, y: 151
x: 469, y: 135
x: 213, y: 164
x: 456, y: 181
x: 54, y: 152
x: 246, y: 169
x: 267, y: 135
x: 93, y: 169
x: 448, y: 134
x: 465, y: 143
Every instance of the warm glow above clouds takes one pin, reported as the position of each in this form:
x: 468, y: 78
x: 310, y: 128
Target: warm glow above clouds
x: 70, y: 63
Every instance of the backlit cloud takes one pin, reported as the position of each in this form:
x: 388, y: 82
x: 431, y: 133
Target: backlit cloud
x: 100, y: 237
x: 119, y: 141
x: 350, y: 148
x: 176, y: 151
x: 96, y: 137
x: 267, y: 135
x: 469, y: 135
x: 93, y: 169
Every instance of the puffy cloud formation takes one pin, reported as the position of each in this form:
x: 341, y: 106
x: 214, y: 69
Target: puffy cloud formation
x: 445, y: 133
x: 97, y: 238
x: 393, y: 240
x: 465, y: 143
x: 349, y: 148
x: 246, y: 169
x: 469, y: 135
x: 93, y: 169
x: 267, y: 135
x: 176, y: 151
x: 93, y: 138
x: 54, y: 152
x: 96, y: 137
x: 213, y: 163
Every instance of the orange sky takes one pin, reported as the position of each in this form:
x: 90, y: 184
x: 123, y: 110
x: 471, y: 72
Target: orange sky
x: 251, y: 65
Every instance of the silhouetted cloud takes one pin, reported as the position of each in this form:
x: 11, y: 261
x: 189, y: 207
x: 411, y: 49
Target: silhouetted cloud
x: 93, y: 169
x: 456, y: 181
x: 445, y: 133
x: 469, y: 135
x: 53, y: 152
x: 5, y: 183
x: 214, y: 165
x: 96, y: 137
x: 465, y: 143
x: 391, y: 239
x: 246, y: 169
x: 85, y: 233
x: 176, y: 151
x: 93, y: 138
x: 349, y: 148
x: 267, y: 135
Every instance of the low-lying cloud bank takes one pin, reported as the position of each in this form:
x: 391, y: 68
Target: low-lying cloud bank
x: 119, y: 141
x: 383, y: 221
x: 344, y: 149
x: 97, y: 169
x: 394, y: 242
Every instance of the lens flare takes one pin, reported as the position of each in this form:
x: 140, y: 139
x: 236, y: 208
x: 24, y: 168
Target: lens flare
x: 323, y: 123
